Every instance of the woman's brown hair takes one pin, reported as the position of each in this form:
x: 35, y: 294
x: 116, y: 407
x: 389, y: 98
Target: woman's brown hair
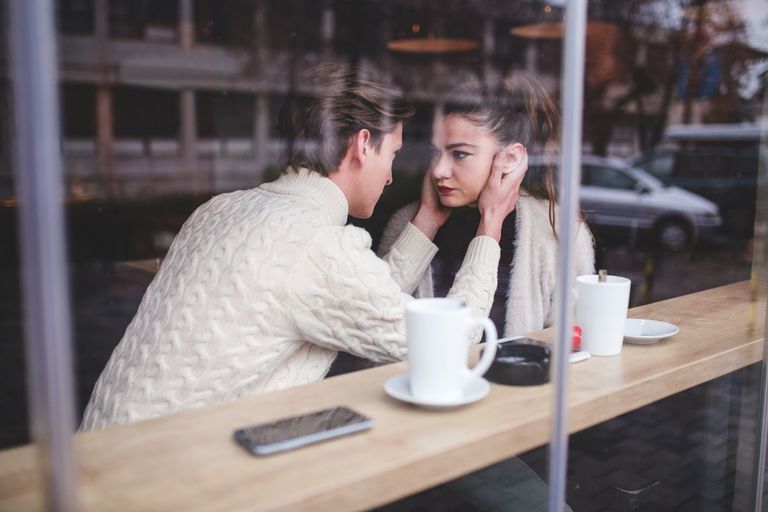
x: 517, y: 110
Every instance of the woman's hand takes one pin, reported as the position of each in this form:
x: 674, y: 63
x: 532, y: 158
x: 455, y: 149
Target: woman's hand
x: 431, y: 214
x: 501, y: 192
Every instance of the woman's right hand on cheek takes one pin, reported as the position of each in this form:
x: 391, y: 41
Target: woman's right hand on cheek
x: 500, y: 194
x: 431, y: 213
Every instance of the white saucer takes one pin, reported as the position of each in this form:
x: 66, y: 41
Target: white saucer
x: 645, y: 332
x: 398, y: 387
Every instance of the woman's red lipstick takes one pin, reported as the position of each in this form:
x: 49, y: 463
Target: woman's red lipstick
x: 445, y: 190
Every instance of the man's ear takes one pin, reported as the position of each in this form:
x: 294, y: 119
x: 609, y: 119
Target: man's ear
x: 516, y: 156
x: 359, y: 147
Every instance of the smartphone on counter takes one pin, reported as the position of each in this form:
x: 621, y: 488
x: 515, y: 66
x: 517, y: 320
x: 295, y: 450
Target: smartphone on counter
x: 295, y: 431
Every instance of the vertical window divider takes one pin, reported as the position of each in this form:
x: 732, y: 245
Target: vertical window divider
x: 572, y: 99
x: 40, y: 191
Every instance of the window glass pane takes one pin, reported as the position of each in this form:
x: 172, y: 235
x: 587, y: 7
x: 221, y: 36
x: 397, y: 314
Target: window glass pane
x: 79, y: 111
x: 75, y: 16
x: 303, y: 32
x: 224, y: 23
x: 675, y: 112
x: 145, y: 113
x: 225, y: 115
x: 609, y: 178
x: 351, y: 17
x: 243, y: 233
x: 12, y: 363
x: 154, y: 20
x: 659, y: 165
x: 548, y: 56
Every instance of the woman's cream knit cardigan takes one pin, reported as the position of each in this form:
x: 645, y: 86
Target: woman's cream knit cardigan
x: 533, y: 277
x: 259, y: 291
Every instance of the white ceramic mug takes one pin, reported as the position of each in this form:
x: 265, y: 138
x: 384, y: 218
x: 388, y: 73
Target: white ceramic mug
x: 438, y: 332
x: 601, y: 311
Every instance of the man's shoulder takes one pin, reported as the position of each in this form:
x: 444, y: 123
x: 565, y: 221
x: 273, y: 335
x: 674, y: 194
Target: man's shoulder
x: 347, y: 237
x: 335, y: 250
x: 252, y: 216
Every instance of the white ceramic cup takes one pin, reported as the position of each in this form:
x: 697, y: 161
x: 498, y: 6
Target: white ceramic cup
x: 438, y: 333
x: 601, y: 311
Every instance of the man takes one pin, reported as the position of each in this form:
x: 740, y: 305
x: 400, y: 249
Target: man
x: 261, y: 288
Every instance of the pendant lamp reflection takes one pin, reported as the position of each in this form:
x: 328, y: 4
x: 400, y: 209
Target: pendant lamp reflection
x: 605, y: 49
x: 556, y: 30
x: 415, y: 42
x: 432, y: 44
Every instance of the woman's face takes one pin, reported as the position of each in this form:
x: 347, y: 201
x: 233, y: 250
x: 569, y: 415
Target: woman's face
x: 461, y: 163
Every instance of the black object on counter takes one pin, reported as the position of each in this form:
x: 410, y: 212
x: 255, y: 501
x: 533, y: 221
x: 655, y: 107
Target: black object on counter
x: 522, y: 362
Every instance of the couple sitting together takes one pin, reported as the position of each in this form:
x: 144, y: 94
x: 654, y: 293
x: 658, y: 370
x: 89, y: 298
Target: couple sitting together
x: 262, y: 288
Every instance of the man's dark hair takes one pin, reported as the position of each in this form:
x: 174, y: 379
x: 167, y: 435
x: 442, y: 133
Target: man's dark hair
x: 318, y: 131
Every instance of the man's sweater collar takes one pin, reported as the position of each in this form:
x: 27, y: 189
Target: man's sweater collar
x: 313, y: 185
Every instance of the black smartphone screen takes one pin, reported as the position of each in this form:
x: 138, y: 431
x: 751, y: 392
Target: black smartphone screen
x: 295, y: 431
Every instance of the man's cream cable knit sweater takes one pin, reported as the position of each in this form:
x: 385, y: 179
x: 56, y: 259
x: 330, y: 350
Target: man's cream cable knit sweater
x: 259, y: 291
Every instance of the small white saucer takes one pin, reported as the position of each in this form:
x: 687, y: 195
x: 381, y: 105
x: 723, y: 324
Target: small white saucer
x: 398, y: 387
x: 646, y: 332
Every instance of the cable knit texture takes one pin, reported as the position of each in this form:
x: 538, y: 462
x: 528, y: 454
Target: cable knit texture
x: 259, y: 291
x: 533, y: 277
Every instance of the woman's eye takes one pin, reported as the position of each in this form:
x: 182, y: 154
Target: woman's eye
x: 460, y: 155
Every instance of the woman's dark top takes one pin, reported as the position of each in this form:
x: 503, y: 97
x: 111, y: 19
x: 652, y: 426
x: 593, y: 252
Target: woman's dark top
x: 452, y: 241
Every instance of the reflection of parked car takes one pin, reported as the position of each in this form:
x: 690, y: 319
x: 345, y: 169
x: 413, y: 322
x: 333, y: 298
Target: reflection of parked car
x: 719, y: 162
x: 616, y: 195
x: 618, y: 198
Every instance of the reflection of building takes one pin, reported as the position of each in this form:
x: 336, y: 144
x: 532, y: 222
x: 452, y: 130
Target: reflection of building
x: 167, y: 96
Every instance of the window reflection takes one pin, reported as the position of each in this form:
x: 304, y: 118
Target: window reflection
x: 150, y: 20
x: 606, y: 177
x: 157, y: 120
x: 230, y: 23
x: 146, y: 114
x: 75, y: 16
x: 225, y: 116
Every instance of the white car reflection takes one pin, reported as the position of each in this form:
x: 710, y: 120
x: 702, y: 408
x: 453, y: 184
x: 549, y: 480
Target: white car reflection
x: 615, y: 195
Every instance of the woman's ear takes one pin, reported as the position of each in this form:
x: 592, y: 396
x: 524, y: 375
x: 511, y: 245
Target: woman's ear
x: 516, y: 156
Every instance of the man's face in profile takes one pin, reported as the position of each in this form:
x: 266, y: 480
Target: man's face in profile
x: 377, y: 173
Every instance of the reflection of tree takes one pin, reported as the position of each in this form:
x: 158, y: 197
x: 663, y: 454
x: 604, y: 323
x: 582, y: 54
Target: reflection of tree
x: 704, y: 55
x: 605, y: 65
x: 714, y: 36
x: 614, y: 83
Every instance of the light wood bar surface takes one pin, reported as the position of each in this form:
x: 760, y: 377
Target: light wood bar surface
x: 189, y: 462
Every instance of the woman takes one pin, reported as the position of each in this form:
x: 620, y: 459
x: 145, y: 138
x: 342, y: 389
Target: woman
x: 483, y: 136
x: 481, y: 129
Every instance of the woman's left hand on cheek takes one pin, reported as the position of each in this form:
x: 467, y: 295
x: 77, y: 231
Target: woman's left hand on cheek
x: 502, y: 189
x: 500, y: 194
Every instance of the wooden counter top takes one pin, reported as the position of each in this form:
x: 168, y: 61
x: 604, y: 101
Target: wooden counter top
x: 189, y: 462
